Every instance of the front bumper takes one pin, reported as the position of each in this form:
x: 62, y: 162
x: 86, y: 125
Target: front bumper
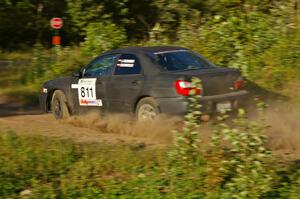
x: 178, y: 106
x: 43, y: 102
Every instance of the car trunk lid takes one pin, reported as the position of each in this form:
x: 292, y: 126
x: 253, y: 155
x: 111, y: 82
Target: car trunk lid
x: 215, y: 81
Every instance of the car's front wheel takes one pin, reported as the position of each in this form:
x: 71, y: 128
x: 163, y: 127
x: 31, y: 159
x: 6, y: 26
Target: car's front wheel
x: 59, y: 105
x: 147, y: 109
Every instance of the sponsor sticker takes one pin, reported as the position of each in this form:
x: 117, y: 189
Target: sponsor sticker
x: 87, y: 81
x: 84, y: 102
x: 126, y: 63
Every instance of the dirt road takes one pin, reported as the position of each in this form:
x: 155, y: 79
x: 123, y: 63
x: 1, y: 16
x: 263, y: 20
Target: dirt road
x: 47, y: 126
x: 87, y: 128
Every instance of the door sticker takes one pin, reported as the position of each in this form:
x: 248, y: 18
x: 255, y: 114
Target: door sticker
x: 126, y: 63
x: 87, y: 92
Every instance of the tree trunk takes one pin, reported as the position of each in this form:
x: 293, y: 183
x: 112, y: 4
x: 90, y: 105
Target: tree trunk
x: 39, y: 12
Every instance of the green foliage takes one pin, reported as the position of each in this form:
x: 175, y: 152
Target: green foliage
x: 83, y: 12
x: 291, y: 189
x: 170, y: 14
x: 280, y: 63
x: 242, y: 38
x: 102, y: 37
x: 63, y: 169
x: 46, y: 64
x: 242, y: 170
x: 156, y: 37
x: 185, y: 151
x: 26, y: 22
x: 21, y: 162
x: 186, y: 159
x: 248, y: 171
x: 230, y: 38
x: 40, y: 64
x: 256, y: 36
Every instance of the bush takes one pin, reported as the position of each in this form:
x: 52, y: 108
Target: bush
x: 279, y: 64
x: 247, y: 171
x: 101, y: 37
x: 48, y: 64
x: 243, y: 39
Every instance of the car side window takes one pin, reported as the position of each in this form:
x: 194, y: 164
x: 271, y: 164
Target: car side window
x: 128, y: 64
x: 102, y: 66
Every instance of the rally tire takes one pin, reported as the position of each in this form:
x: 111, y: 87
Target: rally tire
x: 147, y: 109
x: 59, y: 105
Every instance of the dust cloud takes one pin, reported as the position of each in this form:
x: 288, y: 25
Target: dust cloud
x: 159, y: 130
x: 283, y: 132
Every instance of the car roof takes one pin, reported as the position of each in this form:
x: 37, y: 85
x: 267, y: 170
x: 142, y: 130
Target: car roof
x: 150, y: 49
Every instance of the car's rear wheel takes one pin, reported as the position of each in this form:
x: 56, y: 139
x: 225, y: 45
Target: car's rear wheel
x: 59, y: 105
x: 147, y: 109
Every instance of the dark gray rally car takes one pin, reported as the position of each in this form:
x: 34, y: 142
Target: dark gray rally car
x: 144, y: 81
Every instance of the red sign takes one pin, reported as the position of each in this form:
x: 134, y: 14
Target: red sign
x: 56, y: 23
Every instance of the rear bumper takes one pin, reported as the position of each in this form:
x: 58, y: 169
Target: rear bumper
x: 178, y: 106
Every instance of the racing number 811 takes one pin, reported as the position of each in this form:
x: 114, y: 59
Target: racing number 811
x: 86, y: 92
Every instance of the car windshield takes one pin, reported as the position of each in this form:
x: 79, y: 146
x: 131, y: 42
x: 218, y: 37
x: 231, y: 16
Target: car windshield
x: 181, y: 60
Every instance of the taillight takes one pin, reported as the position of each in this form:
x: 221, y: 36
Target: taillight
x: 239, y: 83
x: 184, y: 88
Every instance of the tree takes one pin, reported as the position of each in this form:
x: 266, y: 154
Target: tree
x: 102, y: 37
x: 25, y: 22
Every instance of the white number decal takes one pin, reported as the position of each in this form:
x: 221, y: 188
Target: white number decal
x: 87, y: 92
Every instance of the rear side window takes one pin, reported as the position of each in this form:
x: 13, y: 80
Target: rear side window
x: 180, y: 60
x: 128, y: 64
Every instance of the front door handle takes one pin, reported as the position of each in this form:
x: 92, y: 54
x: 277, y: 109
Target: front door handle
x: 136, y: 82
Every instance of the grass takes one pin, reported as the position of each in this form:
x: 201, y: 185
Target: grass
x: 39, y: 167
x: 61, y: 168
x: 16, y: 55
x: 292, y: 89
x: 11, y: 84
x: 24, y: 95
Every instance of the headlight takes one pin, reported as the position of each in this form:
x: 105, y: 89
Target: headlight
x: 44, y: 90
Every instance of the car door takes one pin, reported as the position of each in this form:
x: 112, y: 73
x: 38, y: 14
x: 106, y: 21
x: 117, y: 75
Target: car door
x: 90, y: 90
x: 125, y: 85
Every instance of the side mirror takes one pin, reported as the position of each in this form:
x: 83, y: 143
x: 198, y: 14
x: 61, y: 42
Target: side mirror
x: 82, y: 72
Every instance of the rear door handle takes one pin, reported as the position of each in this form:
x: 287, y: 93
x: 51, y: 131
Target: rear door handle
x: 99, y: 81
